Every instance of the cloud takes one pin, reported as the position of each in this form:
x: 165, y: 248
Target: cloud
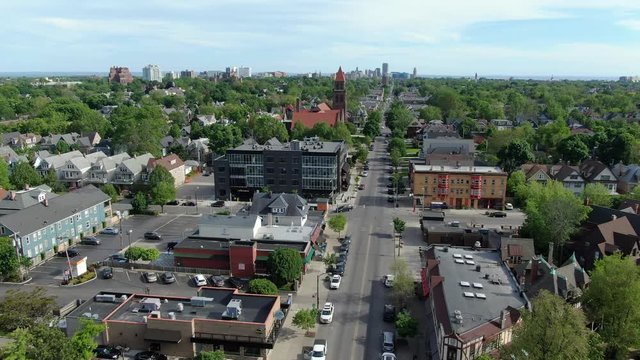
x: 630, y: 24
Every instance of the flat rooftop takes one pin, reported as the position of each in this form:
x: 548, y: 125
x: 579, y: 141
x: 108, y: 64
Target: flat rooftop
x: 99, y: 309
x: 459, y: 169
x: 479, y: 296
x: 194, y: 242
x: 255, y: 308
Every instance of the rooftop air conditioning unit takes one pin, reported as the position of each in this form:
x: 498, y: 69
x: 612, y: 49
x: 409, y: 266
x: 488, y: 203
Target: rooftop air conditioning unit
x: 180, y: 307
x: 234, y: 309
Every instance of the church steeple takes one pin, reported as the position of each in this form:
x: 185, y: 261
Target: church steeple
x: 340, y: 94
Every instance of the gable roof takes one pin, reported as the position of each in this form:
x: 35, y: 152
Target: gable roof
x: 562, y: 172
x: 320, y: 113
x: 137, y: 164
x: 262, y: 203
x: 169, y: 162
x: 590, y: 169
x: 530, y: 170
x: 340, y: 75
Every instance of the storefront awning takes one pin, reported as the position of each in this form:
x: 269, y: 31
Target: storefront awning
x: 309, y: 257
x: 170, y: 336
x: 263, y: 258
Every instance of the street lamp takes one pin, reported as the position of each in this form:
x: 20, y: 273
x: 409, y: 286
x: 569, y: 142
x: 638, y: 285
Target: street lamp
x: 196, y: 196
x: 129, y: 233
x: 318, y: 289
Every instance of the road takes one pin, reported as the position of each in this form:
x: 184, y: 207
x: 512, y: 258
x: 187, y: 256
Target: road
x: 357, y: 325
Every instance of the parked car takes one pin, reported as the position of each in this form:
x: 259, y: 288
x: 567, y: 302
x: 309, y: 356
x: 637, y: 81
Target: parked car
x: 70, y: 252
x: 168, y: 277
x: 152, y: 235
x: 174, y: 202
x: 188, y: 203
x: 238, y: 283
x: 206, y: 174
x: 342, y: 257
x: 388, y: 280
x: 119, y: 258
x: 498, y: 214
x: 508, y: 206
x: 218, y: 203
x: 390, y: 199
x: 150, y: 355
x: 199, y: 280
x: 150, y: 277
x: 343, y: 208
x: 319, y: 350
x: 345, y: 247
x: 107, y: 352
x: 171, y: 245
x: 390, y: 191
x: 336, y: 280
x: 365, y: 174
x: 388, y: 356
x: 338, y: 269
x: 90, y: 240
x: 389, y: 314
x: 361, y: 187
x: 326, y: 314
x: 106, y: 272
x: 388, y: 341
x: 366, y: 167
x: 110, y: 231
x: 346, y: 240
x: 217, y: 280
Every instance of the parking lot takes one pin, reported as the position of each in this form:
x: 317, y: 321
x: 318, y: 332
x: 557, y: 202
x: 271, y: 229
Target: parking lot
x: 477, y: 217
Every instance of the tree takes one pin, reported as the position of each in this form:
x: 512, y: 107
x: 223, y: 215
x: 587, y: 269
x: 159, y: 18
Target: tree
x: 139, y: 130
x: 139, y: 203
x: 337, y: 223
x: 62, y: 147
x: 398, y: 225
x: 9, y: 262
x: 266, y: 127
x: 135, y: 253
x: 162, y: 186
x: 284, y: 266
x: 516, y: 180
x: 111, y: 191
x: 553, y: 212
x: 403, y: 285
x: 597, y: 194
x: 24, y: 174
x: 429, y: 113
x: 305, y: 319
x: 447, y: 99
x: 406, y: 325
x: 263, y: 286
x: 210, y: 355
x: 515, y: 154
x: 5, y: 183
x: 611, y: 302
x: 552, y: 329
x: 572, y: 149
x: 34, y: 306
x: 361, y: 153
x: 83, y: 342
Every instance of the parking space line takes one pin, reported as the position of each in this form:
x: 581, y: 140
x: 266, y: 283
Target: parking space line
x: 128, y: 277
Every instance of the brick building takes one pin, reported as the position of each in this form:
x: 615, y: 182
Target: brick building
x: 120, y: 75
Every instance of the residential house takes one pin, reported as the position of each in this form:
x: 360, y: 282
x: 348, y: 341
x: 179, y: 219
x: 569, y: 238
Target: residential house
x: 206, y: 120
x: 84, y: 143
x: 17, y: 140
x: 55, y: 162
x: 75, y: 170
x: 594, y: 171
x: 628, y: 177
x: 536, y: 172
x: 130, y: 170
x: 516, y: 251
x: 473, y: 300
x: 567, y: 281
x: 10, y: 156
x: 169, y: 141
x: 172, y: 163
x: 55, y: 223
x: 103, y: 170
x: 502, y: 124
x: 12, y: 201
x: 569, y: 176
x: 199, y: 150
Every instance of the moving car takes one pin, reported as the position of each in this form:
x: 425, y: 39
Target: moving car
x: 389, y: 314
x: 107, y: 352
x: 110, y: 231
x: 388, y: 280
x: 217, y: 280
x: 107, y: 272
x: 150, y: 355
x: 199, y: 280
x: 168, y: 277
x: 326, y: 314
x: 218, y: 203
x: 152, y: 235
x: 90, y: 240
x: 71, y: 253
x: 498, y: 214
x: 335, y: 282
x: 150, y: 277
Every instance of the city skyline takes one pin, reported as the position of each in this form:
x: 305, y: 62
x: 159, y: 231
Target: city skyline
x: 535, y: 38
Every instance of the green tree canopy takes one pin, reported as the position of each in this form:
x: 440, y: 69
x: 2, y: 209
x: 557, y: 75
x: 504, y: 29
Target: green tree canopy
x: 552, y: 329
x: 24, y: 174
x: 5, y: 182
x: 403, y: 285
x: 210, y: 355
x: 573, y: 149
x: 35, y: 307
x: 284, y: 266
x: 597, y: 194
x: 135, y: 253
x: 162, y: 186
x: 263, y: 286
x: 305, y: 319
x: 611, y: 301
x: 111, y: 191
x: 398, y: 225
x: 406, y: 325
x: 9, y: 261
x: 337, y: 223
x: 266, y: 127
x: 516, y: 153
x: 139, y: 203
x: 139, y: 130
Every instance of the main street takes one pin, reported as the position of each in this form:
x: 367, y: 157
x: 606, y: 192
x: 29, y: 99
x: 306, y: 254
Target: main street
x: 357, y: 326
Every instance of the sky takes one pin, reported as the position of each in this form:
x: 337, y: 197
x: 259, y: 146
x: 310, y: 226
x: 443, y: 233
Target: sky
x: 452, y: 37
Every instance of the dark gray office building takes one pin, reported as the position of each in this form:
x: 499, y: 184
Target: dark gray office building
x: 310, y: 167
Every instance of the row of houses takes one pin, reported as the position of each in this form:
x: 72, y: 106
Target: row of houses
x: 85, y: 143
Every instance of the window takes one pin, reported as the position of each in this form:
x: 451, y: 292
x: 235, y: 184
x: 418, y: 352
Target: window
x: 26, y: 240
x: 296, y: 171
x: 605, y: 177
x: 269, y: 170
x: 221, y: 169
x: 270, y: 181
x: 295, y: 182
x: 283, y: 170
x: 87, y: 225
x: 269, y: 159
x: 282, y: 182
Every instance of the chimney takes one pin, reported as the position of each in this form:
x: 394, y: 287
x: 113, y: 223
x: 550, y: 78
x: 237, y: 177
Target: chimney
x: 270, y: 219
x: 636, y: 208
x: 13, y: 195
x: 298, y: 105
x: 535, y: 264
x: 504, y: 315
x: 46, y: 202
x: 26, y: 186
x: 613, y: 217
x: 550, y: 259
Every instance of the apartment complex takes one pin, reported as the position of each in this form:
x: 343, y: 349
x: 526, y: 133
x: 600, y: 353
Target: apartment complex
x: 311, y: 168
x: 120, y: 75
x: 458, y: 186
x: 244, y: 326
x: 151, y: 73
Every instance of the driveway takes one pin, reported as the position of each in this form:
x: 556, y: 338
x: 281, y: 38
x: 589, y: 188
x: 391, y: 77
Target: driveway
x: 200, y: 187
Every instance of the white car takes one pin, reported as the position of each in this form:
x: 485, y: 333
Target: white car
x: 110, y: 231
x: 508, y: 206
x: 388, y: 356
x: 365, y: 173
x: 388, y: 280
x: 335, y: 282
x: 200, y: 280
x: 326, y: 314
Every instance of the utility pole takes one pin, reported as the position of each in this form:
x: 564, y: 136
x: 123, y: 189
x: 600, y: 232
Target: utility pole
x: 318, y: 289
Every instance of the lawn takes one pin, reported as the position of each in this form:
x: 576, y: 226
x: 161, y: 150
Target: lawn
x: 412, y: 152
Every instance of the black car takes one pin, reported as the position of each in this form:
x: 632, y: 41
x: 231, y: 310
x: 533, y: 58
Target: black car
x: 366, y: 167
x: 345, y: 247
x: 90, y: 240
x: 119, y: 258
x: 389, y: 314
x: 107, y: 273
x: 338, y: 269
x: 238, y: 283
x: 173, y: 202
x: 188, y: 203
x: 70, y: 252
x: 107, y: 352
x: 342, y: 258
x: 498, y: 214
x: 390, y: 191
x: 150, y: 355
x: 218, y: 203
x: 152, y: 235
x: 390, y: 185
x: 171, y: 245
x: 217, y: 280
x: 390, y: 199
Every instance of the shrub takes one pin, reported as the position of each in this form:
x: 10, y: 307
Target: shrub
x: 262, y: 286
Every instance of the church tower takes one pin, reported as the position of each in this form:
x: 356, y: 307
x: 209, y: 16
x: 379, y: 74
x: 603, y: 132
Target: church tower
x: 340, y: 94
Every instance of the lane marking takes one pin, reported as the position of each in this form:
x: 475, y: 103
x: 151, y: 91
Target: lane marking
x: 360, y: 302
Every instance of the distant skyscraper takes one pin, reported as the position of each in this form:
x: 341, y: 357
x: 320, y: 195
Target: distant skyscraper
x: 172, y: 75
x: 244, y: 72
x: 385, y: 69
x: 188, y: 74
x: 151, y: 73
x: 120, y: 75
x: 415, y: 73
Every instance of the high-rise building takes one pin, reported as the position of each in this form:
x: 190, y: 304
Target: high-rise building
x: 378, y: 72
x: 188, y: 74
x: 151, y: 73
x: 120, y: 75
x: 340, y: 94
x: 415, y: 73
x: 172, y: 75
x: 244, y: 72
x: 385, y: 69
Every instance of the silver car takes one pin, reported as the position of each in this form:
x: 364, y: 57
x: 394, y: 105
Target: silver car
x: 150, y: 277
